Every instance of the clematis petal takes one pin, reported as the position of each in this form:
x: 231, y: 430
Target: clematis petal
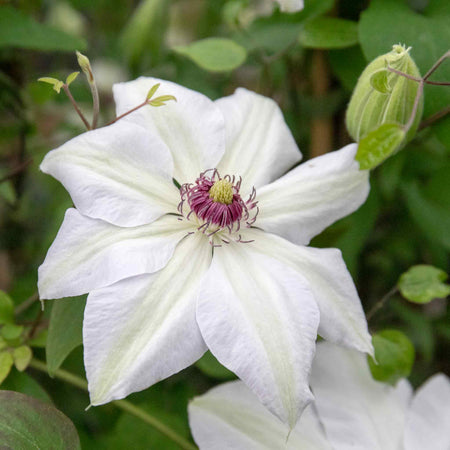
x: 143, y: 329
x: 259, y: 318
x: 342, y: 318
x: 428, y: 421
x: 312, y: 196
x: 90, y: 253
x: 356, y: 411
x: 120, y: 173
x: 231, y: 417
x: 192, y: 127
x: 291, y: 5
x: 259, y: 145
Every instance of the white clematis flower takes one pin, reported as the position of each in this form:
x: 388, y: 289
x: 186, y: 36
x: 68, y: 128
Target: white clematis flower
x: 291, y: 5
x: 171, y: 272
x: 361, y: 413
x: 230, y: 417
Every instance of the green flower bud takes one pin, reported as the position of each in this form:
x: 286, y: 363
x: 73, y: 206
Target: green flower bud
x: 382, y: 96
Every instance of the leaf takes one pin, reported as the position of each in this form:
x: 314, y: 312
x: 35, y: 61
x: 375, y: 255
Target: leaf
x: 7, y: 192
x: 6, y: 362
x: 21, y: 382
x: 214, y: 54
x: 394, y: 354
x: 22, y: 356
x: 431, y: 218
x: 21, y: 31
x: 423, y: 283
x: 379, y: 81
x: 143, y: 35
x: 40, y: 340
x: 209, y: 365
x: 71, y: 77
x: 11, y: 332
x: 64, y: 332
x: 57, y: 84
x: 347, y: 64
x: 378, y: 145
x: 26, y: 423
x: 6, y: 308
x: 388, y: 22
x: 152, y: 90
x: 329, y: 33
x: 277, y: 32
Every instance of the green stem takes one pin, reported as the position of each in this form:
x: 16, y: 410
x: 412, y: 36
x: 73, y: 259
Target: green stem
x: 75, y: 105
x: 121, y: 404
x: 381, y: 303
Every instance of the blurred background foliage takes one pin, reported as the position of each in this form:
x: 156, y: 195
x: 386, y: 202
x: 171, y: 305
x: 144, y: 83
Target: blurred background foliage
x: 309, y: 63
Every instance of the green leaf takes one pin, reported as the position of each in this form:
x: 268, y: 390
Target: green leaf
x: 7, y: 192
x: 423, y: 283
x: 11, y: 332
x: 21, y: 382
x: 329, y: 32
x: 388, y: 22
x: 379, y: 81
x: 6, y: 362
x: 6, y: 308
x: 143, y: 35
x: 394, y: 354
x: 152, y: 90
x: 21, y: 31
x: 64, y: 332
x: 209, y: 365
x: 277, y: 32
x: 22, y: 356
x: 214, y: 54
x: 71, y: 77
x: 431, y: 218
x: 57, y: 84
x: 26, y: 423
x: 378, y: 145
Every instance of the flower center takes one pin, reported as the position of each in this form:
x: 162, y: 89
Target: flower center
x: 217, y: 203
x: 222, y: 192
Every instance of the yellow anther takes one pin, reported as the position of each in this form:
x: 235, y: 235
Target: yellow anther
x: 222, y: 192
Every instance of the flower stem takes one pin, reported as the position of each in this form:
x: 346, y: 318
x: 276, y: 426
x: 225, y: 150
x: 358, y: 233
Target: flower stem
x: 75, y: 105
x: 128, y: 112
x: 96, y: 104
x: 124, y: 405
x: 437, y: 64
x: 381, y: 303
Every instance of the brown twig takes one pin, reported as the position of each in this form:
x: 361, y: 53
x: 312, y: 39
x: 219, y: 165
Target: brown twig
x: 75, y: 105
x: 381, y: 303
x: 16, y: 170
x: 128, y: 112
x: 434, y: 118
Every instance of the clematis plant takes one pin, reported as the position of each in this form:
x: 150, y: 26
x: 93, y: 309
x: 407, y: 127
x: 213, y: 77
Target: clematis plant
x: 359, y: 412
x: 230, y: 416
x: 291, y: 5
x: 184, y: 241
x: 351, y: 410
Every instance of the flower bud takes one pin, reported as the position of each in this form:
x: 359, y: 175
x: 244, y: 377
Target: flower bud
x: 381, y: 96
x: 83, y: 62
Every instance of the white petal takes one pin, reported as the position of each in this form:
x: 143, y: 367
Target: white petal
x: 231, y: 417
x: 291, y: 5
x: 120, y: 173
x: 342, y: 318
x: 312, y: 196
x: 356, y: 411
x: 192, y: 127
x: 90, y: 253
x: 259, y: 145
x: 260, y: 320
x: 143, y: 329
x: 428, y: 421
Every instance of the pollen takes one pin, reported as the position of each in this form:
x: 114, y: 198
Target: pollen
x: 222, y: 192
